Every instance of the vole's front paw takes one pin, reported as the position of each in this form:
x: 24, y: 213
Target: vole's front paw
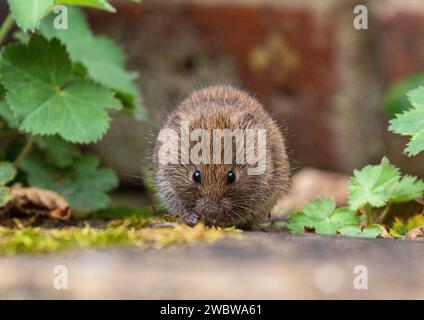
x: 192, y: 219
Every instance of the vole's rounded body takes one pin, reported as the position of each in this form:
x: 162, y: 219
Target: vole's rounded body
x: 225, y: 193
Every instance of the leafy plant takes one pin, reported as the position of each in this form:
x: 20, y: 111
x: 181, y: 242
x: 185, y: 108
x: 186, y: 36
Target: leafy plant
x: 377, y: 186
x: 57, y: 89
x: 411, y: 122
x: 372, y: 231
x: 323, y: 217
x: 29, y: 13
x: 106, y: 69
x: 373, y: 190
x: 83, y: 184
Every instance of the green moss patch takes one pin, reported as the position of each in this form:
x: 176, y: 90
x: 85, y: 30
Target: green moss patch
x: 134, y: 231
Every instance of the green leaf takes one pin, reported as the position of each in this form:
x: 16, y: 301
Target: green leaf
x: 58, y: 151
x: 44, y: 97
x: 411, y: 122
x: 299, y: 221
x: 322, y: 216
x: 355, y: 231
x: 343, y: 217
x: 28, y: 13
x: 326, y: 228
x: 319, y: 209
x: 371, y: 185
x: 407, y: 189
x: 84, y: 186
x: 7, y: 172
x: 416, y: 97
x: 101, y: 57
x: 5, y: 195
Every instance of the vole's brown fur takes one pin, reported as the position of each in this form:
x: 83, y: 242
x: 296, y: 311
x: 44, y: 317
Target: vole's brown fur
x: 248, y: 200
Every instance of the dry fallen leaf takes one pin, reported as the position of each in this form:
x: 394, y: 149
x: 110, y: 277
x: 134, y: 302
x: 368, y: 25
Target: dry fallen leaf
x: 38, y: 202
x: 415, y: 234
x: 384, y: 233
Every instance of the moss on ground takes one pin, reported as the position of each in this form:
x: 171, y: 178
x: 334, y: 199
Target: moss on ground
x: 144, y: 232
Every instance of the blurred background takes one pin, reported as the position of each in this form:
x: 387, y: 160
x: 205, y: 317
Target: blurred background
x: 325, y: 82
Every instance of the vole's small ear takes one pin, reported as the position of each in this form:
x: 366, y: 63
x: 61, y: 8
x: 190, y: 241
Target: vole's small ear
x: 245, y: 120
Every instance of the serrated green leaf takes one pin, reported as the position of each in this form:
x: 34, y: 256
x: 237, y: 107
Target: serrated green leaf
x: 7, y: 172
x: 58, y: 151
x: 44, y: 97
x: 416, y: 97
x: 28, y: 13
x: 298, y: 221
x: 319, y: 209
x: 343, y: 217
x: 322, y: 216
x: 326, y: 228
x: 5, y: 195
x: 371, y: 185
x: 355, y: 231
x: 101, y: 57
x: 411, y: 122
x: 416, y: 144
x: 85, y: 186
x: 407, y: 189
x: 408, y: 123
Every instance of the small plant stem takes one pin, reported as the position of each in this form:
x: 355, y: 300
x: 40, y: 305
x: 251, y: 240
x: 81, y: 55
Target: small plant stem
x: 5, y: 28
x: 368, y: 213
x: 24, y: 152
x: 384, y: 213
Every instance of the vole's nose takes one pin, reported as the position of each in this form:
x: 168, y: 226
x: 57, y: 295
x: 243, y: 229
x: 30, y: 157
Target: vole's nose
x: 212, y: 207
x: 208, y: 207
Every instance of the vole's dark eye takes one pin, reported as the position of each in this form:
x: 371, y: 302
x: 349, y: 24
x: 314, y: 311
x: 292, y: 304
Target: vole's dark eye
x: 197, y: 176
x: 231, y: 177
